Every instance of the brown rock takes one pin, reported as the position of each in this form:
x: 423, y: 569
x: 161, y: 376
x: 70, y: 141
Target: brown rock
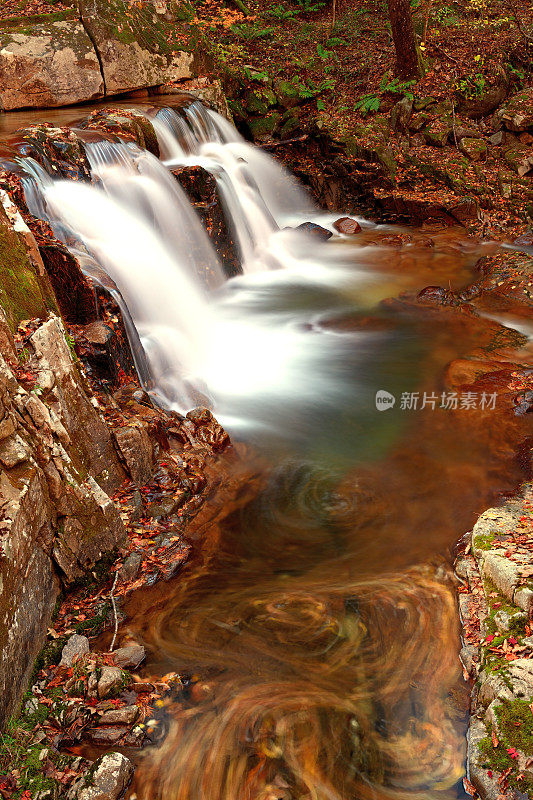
x: 120, y: 716
x: 347, y: 226
x: 129, y: 657
x: 135, y: 448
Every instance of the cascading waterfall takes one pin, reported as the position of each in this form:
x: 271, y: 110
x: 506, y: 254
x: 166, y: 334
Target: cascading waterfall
x: 137, y: 225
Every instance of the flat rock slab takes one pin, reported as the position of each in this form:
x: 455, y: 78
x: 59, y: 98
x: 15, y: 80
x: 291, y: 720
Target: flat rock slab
x: 48, y: 64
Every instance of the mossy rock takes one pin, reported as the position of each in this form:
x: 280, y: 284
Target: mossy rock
x: 289, y: 94
x: 474, y: 149
x: 266, y: 126
x: 24, y: 292
x: 517, y: 113
x: 258, y: 101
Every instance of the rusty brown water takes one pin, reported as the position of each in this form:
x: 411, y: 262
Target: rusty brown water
x: 318, y: 620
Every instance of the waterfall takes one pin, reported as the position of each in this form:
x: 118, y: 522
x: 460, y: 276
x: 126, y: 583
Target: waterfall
x: 197, y: 339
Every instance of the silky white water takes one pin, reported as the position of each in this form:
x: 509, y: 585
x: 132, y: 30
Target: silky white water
x: 242, y: 346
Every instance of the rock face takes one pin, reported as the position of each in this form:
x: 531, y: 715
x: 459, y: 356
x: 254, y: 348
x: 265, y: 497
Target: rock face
x: 136, y: 44
x: 50, y: 64
x: 57, y: 461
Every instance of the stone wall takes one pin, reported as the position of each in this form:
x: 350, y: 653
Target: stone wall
x: 104, y: 47
x: 496, y: 605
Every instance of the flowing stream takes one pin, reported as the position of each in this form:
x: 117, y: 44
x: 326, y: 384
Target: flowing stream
x: 318, y: 616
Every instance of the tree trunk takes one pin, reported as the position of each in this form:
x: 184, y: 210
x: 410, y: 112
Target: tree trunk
x: 403, y: 34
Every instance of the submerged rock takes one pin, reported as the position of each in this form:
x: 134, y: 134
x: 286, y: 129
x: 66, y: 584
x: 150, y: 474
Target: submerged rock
x: 347, y: 226
x: 315, y: 230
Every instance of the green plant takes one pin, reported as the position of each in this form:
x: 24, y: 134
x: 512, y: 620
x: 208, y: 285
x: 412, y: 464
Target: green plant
x: 281, y: 13
x: 310, y: 5
x: 371, y: 102
x: 251, y: 32
x: 256, y: 74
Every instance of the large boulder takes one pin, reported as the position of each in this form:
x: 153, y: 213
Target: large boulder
x: 138, y: 46
x: 50, y: 63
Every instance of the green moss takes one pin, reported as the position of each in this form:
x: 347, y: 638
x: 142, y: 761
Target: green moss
x: 515, y: 730
x: 23, y: 293
x: 15, y: 22
x: 483, y: 541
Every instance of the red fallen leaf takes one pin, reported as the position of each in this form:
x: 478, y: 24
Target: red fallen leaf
x: 490, y: 638
x: 495, y: 741
x: 512, y: 752
x: 490, y: 773
x: 469, y: 789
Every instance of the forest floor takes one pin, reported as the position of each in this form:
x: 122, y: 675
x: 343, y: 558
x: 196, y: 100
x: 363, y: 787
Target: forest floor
x: 297, y: 68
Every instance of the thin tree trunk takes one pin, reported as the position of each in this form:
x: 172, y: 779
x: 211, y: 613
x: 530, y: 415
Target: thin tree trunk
x: 403, y: 34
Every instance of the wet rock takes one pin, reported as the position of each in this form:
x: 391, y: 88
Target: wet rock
x: 129, y: 124
x: 474, y: 149
x: 75, y: 647
x: 315, y: 230
x: 129, y: 657
x: 135, y: 447
x: 347, y: 226
x: 142, y: 687
x: 120, y: 716
x: 111, y: 679
x: 208, y: 430
x: 44, y: 64
x: 436, y: 295
x: 467, y: 657
x: 136, y: 51
x: 130, y: 568
x: 108, y: 778
x: 517, y: 113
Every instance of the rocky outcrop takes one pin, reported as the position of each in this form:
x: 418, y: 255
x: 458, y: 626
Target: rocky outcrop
x: 56, y: 520
x: 136, y: 43
x: 48, y: 64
